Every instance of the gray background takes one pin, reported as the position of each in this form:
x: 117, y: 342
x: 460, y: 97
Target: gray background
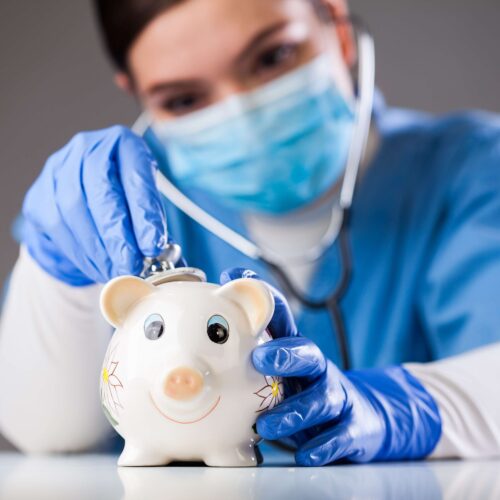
x: 55, y: 81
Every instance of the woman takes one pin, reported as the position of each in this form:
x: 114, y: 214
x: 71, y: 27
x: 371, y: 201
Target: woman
x: 251, y: 111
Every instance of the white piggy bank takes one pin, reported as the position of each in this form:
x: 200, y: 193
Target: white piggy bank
x: 178, y: 382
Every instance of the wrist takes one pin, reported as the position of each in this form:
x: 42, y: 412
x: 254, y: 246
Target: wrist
x: 54, y: 265
x: 410, y: 414
x: 40, y: 248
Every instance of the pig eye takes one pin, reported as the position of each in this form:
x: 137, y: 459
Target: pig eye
x: 217, y: 329
x: 154, y: 327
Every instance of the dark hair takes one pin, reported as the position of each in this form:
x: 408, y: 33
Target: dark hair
x: 121, y: 22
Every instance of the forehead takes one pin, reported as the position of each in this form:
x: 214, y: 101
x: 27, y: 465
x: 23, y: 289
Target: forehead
x: 204, y: 30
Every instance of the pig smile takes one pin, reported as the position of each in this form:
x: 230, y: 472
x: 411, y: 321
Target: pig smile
x: 206, y: 414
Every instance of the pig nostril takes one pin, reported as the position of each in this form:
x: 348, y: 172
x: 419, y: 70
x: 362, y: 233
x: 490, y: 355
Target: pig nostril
x: 183, y: 383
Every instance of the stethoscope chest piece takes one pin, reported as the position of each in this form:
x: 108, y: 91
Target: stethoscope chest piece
x: 161, y: 269
x: 177, y: 274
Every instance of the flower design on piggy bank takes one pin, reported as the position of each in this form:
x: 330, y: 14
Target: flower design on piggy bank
x: 270, y: 394
x: 111, y: 386
x: 177, y: 382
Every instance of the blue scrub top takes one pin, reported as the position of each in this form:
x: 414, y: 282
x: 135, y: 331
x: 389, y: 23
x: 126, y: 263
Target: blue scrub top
x: 424, y: 236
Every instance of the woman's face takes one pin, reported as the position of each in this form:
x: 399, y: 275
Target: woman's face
x: 202, y: 51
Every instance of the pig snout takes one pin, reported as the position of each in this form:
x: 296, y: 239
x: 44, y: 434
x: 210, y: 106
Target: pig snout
x: 183, y: 383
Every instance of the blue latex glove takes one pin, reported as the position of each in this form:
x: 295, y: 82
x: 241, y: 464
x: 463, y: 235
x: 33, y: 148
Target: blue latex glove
x: 359, y: 415
x: 94, y: 212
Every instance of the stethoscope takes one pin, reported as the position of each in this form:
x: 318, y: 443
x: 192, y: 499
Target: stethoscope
x: 331, y: 303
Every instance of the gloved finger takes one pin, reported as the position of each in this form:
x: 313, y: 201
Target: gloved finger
x: 282, y: 323
x: 327, y: 447
x: 108, y: 206
x: 234, y: 273
x: 322, y: 402
x: 137, y: 171
x: 84, y: 247
x: 289, y: 357
x: 38, y: 224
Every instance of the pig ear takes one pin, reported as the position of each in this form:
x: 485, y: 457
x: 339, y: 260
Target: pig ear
x: 254, y: 297
x: 120, y: 294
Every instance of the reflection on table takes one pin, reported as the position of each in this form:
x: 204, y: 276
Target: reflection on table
x: 96, y: 476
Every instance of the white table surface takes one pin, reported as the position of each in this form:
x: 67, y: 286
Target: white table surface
x: 96, y: 476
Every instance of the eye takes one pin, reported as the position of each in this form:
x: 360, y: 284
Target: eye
x: 183, y: 103
x: 154, y: 327
x: 217, y: 329
x: 277, y: 56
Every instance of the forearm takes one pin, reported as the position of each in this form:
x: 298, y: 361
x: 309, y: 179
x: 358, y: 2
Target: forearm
x: 466, y: 390
x: 52, y: 342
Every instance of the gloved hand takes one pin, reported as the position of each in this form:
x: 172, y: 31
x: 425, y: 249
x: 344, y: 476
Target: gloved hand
x: 94, y: 212
x: 359, y: 415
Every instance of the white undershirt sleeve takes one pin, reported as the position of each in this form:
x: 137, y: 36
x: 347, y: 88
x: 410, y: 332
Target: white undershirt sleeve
x: 52, y: 343
x: 466, y: 389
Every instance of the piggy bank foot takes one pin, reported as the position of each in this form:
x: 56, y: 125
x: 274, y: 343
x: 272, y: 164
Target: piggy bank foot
x: 137, y: 457
x: 239, y: 456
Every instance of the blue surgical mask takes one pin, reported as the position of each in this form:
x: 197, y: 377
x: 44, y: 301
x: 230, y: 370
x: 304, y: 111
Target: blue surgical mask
x: 270, y: 150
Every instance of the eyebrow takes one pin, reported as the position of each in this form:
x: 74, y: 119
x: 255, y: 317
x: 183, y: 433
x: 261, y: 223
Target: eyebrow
x: 259, y: 38
x: 248, y: 49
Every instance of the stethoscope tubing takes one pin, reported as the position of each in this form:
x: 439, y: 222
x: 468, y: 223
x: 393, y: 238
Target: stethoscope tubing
x: 366, y: 87
x: 332, y: 302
